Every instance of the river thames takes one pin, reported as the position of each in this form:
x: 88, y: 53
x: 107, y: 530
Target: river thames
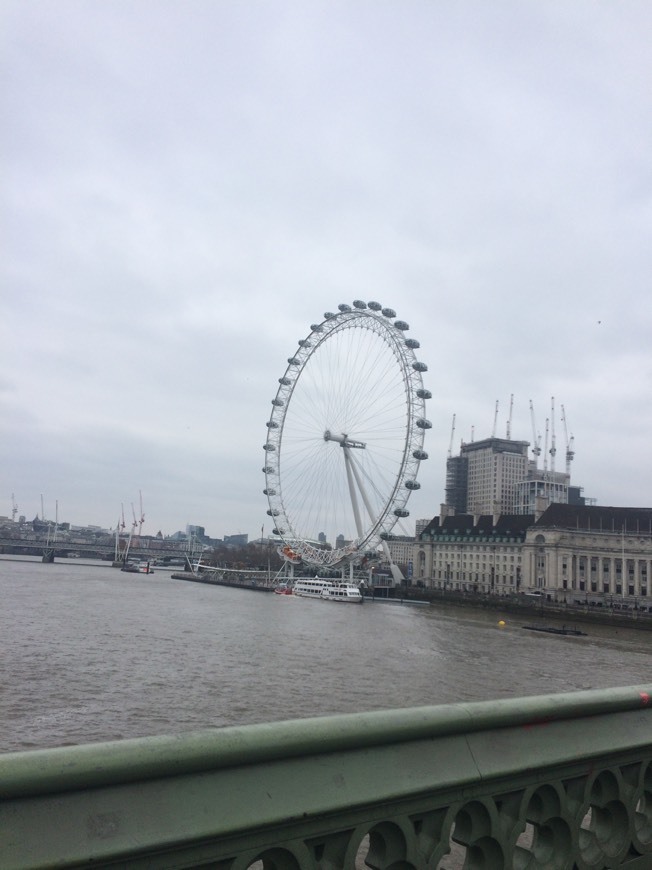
x: 90, y: 653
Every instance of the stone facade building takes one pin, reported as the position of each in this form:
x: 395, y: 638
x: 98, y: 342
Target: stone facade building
x: 401, y: 549
x: 464, y: 553
x: 587, y: 553
x: 574, y: 553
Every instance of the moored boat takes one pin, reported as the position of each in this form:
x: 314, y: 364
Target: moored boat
x: 347, y: 593
x: 554, y: 629
x: 328, y: 590
x: 310, y: 588
x: 137, y: 568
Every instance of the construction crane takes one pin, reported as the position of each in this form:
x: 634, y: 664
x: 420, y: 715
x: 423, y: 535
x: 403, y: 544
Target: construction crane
x: 493, y: 431
x: 570, y: 453
x: 450, y: 446
x: 142, y: 515
x: 536, y: 439
x: 553, y: 442
x: 509, y: 419
x: 134, y: 523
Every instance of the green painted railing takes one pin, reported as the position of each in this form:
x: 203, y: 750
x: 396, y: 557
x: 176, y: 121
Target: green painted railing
x: 554, y: 781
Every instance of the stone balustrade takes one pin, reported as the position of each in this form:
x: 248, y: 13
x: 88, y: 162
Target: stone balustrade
x: 561, y: 781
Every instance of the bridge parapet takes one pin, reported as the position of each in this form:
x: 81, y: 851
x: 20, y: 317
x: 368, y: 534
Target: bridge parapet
x: 551, y: 781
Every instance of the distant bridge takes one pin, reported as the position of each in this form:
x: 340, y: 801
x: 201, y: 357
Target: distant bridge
x: 145, y: 548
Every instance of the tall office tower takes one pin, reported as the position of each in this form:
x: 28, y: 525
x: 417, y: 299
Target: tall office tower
x: 494, y: 468
x: 420, y: 526
x: 542, y: 488
x: 456, y: 483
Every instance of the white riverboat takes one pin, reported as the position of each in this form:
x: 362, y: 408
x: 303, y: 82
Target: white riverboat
x: 328, y: 590
x: 347, y: 593
x: 138, y: 567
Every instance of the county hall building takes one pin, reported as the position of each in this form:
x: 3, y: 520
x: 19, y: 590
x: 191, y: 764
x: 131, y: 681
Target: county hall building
x: 589, y: 553
x: 573, y: 553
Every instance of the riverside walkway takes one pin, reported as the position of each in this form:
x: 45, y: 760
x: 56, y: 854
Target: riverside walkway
x: 560, y: 781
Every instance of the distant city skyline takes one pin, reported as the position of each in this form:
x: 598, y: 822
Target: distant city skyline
x: 455, y: 448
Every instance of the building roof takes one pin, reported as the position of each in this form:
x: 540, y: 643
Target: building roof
x: 464, y: 524
x: 497, y: 445
x: 597, y: 518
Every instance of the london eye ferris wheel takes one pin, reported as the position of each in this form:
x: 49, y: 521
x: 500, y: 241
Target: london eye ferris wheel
x: 345, y: 436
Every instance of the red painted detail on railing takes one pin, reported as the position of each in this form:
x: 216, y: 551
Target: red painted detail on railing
x: 536, y: 722
x: 645, y: 699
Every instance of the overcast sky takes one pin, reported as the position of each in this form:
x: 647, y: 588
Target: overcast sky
x: 187, y: 186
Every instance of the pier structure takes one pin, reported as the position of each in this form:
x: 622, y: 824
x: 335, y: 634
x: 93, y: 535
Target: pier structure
x: 559, y: 781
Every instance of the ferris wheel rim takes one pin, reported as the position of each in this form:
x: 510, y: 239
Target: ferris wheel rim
x: 382, y: 323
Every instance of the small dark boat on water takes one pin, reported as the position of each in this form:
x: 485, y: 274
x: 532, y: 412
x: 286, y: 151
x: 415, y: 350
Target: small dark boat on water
x: 553, y: 629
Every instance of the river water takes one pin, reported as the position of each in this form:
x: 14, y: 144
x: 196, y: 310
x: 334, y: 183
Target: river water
x: 89, y: 653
